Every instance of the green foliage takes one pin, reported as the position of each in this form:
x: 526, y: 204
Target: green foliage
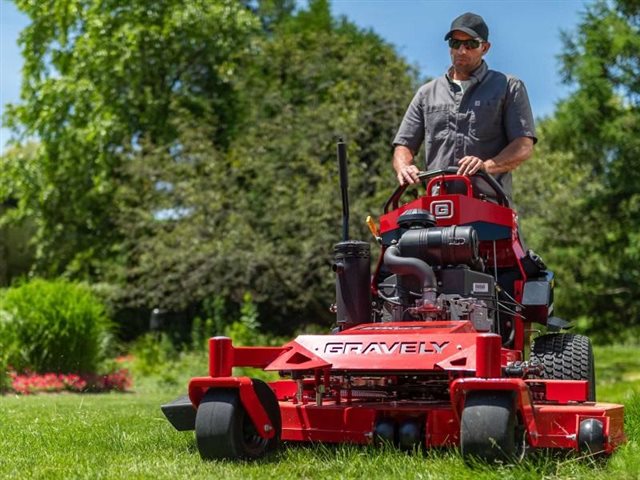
x: 152, y: 352
x: 587, y: 215
x: 262, y: 216
x: 157, y: 354
x: 98, y: 76
x: 53, y: 326
x: 201, y: 332
x: 246, y: 331
x: 186, y: 150
x: 579, y: 200
x: 5, y: 380
x: 215, y: 311
x: 552, y: 197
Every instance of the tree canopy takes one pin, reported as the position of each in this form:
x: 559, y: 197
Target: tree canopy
x: 180, y: 152
x: 262, y: 216
x: 98, y: 76
x: 189, y: 153
x: 586, y: 205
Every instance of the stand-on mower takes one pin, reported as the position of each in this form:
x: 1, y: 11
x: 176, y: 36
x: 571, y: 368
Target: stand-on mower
x: 429, y: 350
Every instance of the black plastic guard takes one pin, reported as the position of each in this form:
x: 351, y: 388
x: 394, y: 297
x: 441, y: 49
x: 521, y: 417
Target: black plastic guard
x: 180, y: 413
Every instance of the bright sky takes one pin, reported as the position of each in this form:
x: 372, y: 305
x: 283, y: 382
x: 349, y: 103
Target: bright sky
x: 525, y: 37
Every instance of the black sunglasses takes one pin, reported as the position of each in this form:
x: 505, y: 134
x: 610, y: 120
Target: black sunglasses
x: 470, y: 44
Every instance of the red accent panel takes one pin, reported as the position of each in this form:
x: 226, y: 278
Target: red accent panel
x: 465, y: 210
x: 463, y: 360
x: 297, y: 357
x: 615, y: 413
x: 327, y: 423
x: 565, y: 391
x: 411, y: 350
x: 558, y: 424
x: 355, y: 424
x: 283, y: 389
x: 443, y: 428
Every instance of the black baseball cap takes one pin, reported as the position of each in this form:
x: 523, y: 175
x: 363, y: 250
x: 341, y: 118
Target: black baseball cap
x: 471, y: 24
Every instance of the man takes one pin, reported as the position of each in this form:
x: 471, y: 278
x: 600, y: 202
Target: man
x: 471, y: 117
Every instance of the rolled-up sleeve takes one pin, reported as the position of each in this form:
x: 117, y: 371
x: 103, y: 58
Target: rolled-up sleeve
x: 411, y: 131
x: 518, y: 118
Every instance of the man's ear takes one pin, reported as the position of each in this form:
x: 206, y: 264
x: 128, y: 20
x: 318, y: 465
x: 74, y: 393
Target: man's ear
x: 485, y: 47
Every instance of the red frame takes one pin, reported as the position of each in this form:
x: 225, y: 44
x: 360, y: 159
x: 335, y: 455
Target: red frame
x: 316, y: 406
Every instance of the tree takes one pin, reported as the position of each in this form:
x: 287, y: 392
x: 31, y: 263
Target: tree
x: 186, y: 151
x: 598, y: 129
x: 99, y: 75
x: 552, y: 197
x: 262, y: 216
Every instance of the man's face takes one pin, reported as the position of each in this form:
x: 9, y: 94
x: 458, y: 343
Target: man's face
x: 466, y: 60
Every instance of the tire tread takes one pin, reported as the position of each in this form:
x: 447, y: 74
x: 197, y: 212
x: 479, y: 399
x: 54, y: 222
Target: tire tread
x: 565, y: 356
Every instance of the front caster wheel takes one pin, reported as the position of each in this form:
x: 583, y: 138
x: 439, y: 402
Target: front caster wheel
x: 488, y: 427
x: 225, y: 430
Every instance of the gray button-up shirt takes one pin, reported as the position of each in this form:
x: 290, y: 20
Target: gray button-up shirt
x: 493, y: 110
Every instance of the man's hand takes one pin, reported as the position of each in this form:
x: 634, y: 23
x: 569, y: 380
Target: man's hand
x: 408, y: 174
x: 406, y: 171
x: 469, y: 165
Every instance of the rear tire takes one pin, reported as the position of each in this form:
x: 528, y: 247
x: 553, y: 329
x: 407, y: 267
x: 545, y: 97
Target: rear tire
x: 566, y: 356
x: 225, y: 430
x: 488, y: 427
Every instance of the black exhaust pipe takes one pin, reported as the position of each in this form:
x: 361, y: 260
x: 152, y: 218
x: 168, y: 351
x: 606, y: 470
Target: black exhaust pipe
x: 351, y: 263
x: 400, y: 265
x: 344, y: 187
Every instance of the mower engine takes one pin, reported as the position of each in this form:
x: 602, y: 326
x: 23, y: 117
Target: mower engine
x: 428, y: 273
x: 436, y: 274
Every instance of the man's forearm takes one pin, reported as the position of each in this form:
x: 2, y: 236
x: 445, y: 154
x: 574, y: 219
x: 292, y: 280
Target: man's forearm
x: 510, y: 157
x: 406, y: 171
x: 402, y: 157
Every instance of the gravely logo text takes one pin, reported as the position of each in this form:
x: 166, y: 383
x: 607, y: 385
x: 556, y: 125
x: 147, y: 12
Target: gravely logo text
x: 384, y: 348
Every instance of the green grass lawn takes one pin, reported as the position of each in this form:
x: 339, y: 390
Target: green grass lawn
x: 126, y: 436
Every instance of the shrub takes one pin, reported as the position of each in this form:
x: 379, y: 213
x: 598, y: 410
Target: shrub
x: 5, y: 380
x: 246, y: 331
x: 53, y: 326
x: 201, y: 332
x: 152, y: 352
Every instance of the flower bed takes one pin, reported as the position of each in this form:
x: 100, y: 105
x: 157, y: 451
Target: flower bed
x: 28, y: 383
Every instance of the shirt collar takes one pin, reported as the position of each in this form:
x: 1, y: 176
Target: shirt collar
x: 476, y: 76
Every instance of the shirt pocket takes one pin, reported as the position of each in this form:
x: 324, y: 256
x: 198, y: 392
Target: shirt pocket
x: 436, y: 121
x: 486, y: 119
